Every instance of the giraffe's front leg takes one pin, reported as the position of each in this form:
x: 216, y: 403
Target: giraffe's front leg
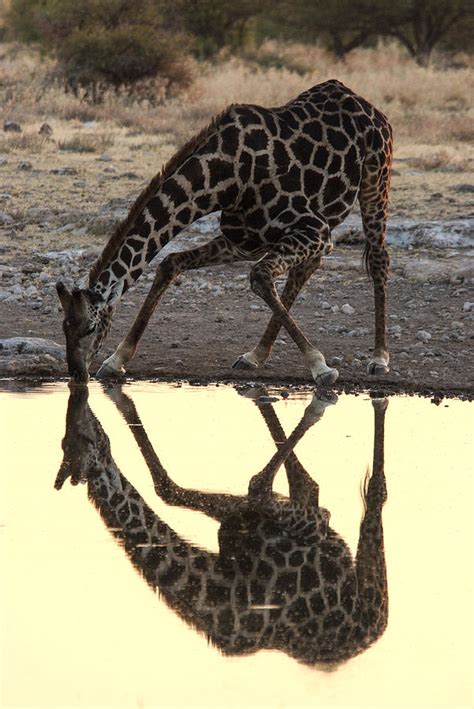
x: 218, y: 250
x: 114, y: 366
x: 305, y: 243
x: 297, y: 277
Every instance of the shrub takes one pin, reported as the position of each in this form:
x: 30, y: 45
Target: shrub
x: 102, y: 43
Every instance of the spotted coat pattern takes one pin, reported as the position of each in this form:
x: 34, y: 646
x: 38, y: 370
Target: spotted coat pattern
x: 282, y: 178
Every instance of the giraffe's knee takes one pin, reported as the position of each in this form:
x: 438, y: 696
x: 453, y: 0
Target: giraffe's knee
x: 260, y: 279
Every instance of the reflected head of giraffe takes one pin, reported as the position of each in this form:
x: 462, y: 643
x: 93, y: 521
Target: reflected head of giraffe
x: 86, y: 323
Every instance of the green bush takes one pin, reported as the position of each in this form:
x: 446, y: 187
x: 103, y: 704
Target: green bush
x: 102, y: 43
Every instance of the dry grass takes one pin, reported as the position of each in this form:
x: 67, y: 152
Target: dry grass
x: 438, y: 160
x: 86, y: 143
x: 22, y: 142
x: 429, y: 106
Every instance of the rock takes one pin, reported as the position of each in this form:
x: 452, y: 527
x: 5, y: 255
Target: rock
x: 347, y: 309
x: 104, y: 158
x: 266, y: 399
x: 64, y: 171
x: 45, y: 129
x: 11, y: 127
x: 395, y: 330
x: 423, y: 336
x: 3, y: 161
x: 32, y: 356
x: 325, y: 305
x: 468, y: 306
x: 358, y: 331
x: 24, y: 165
x: 463, y: 188
x: 335, y: 309
x: 130, y: 176
x: 5, y: 219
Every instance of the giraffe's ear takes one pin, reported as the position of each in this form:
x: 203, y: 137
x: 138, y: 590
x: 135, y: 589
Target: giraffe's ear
x: 64, y: 295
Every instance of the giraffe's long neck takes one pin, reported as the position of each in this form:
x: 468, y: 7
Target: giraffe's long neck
x: 199, y: 180
x: 162, y: 556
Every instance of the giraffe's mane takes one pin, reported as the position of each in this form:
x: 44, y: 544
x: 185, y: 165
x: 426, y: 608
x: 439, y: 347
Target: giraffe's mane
x: 118, y: 237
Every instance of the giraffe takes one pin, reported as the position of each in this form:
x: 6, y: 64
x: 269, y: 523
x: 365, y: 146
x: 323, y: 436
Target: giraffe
x: 283, y: 579
x: 282, y: 179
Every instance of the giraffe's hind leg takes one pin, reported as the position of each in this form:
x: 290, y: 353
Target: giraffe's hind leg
x: 218, y: 250
x: 305, y: 241
x: 373, y: 198
x: 297, y: 277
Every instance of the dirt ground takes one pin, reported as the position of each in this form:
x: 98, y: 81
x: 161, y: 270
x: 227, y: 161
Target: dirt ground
x: 208, y: 318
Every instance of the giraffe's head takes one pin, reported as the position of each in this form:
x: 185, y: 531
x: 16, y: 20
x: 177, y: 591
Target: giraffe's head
x: 86, y: 323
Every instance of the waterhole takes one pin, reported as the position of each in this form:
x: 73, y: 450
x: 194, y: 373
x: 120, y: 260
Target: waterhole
x: 169, y: 545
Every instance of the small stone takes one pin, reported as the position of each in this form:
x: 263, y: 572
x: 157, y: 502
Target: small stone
x: 45, y: 129
x: 335, y: 309
x: 24, y: 165
x: 334, y: 361
x: 468, y: 306
x: 423, y: 336
x: 325, y: 305
x: 179, y: 362
x: 358, y: 332
x: 356, y: 362
x: 266, y: 399
x: 347, y: 309
x: 3, y: 161
x: 5, y: 219
x: 64, y: 171
x: 466, y: 188
x: 11, y: 127
x: 395, y: 330
x: 105, y: 158
x: 457, y: 325
x: 174, y: 345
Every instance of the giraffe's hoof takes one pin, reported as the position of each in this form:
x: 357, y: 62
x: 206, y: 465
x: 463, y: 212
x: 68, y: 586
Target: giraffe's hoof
x: 106, y: 372
x: 243, y: 362
x: 326, y: 379
x: 319, y: 403
x: 380, y: 404
x: 377, y: 368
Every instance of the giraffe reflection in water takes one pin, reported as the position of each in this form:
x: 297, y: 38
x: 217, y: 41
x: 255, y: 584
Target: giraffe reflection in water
x: 282, y: 579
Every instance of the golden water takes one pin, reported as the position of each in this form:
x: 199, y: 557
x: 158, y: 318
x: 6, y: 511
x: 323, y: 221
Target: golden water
x: 80, y: 627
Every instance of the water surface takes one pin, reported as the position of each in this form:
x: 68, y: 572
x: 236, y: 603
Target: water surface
x: 85, y: 621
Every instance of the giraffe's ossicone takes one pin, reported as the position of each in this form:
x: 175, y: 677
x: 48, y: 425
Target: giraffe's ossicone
x: 282, y: 179
x: 283, y: 578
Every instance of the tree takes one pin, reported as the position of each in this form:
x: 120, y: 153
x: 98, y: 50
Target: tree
x: 216, y: 24
x: 421, y: 25
x: 342, y: 25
